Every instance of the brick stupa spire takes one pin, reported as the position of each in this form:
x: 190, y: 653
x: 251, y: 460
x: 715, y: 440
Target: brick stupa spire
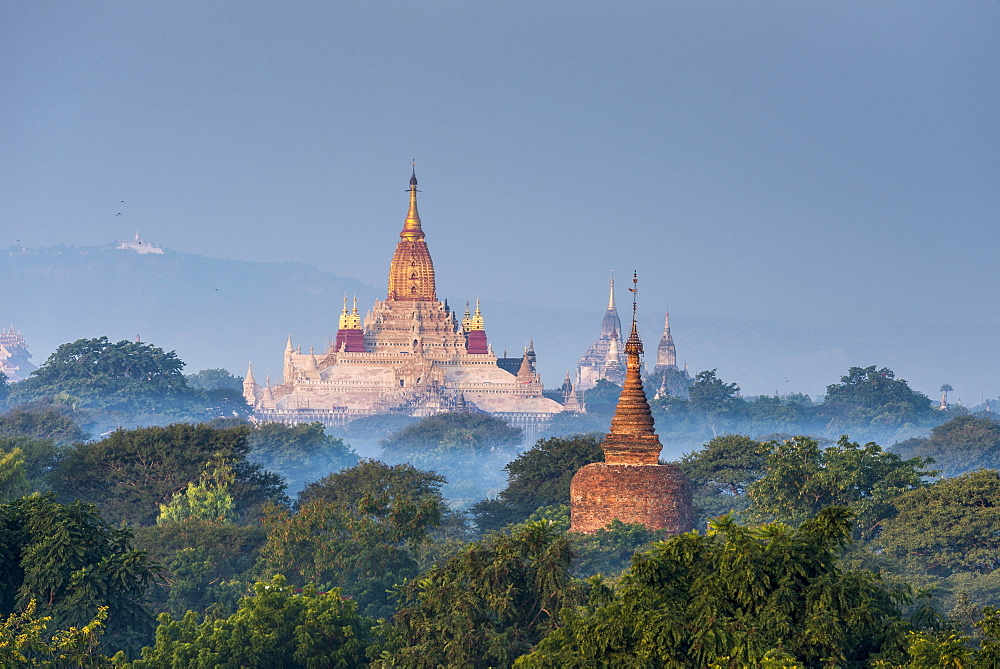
x: 630, y: 485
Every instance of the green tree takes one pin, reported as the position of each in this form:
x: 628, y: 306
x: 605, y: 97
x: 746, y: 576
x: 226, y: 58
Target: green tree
x: 722, y: 473
x: 25, y: 641
x: 131, y: 472
x: 13, y: 481
x: 106, y: 374
x: 731, y: 598
x: 356, y: 529
x: 803, y: 479
x: 468, y: 431
x: 215, y: 379
x: 872, y: 398
x: 299, y: 453
x: 948, y: 526
x: 279, y: 626
x: 203, y: 563
x: 41, y: 423
x: 717, y: 401
x: 486, y: 605
x: 68, y: 560
x: 468, y: 448
x: 602, y: 398
x: 538, y: 477
x: 38, y: 457
x: 385, y: 484
x: 208, y: 499
x: 963, y: 444
x: 673, y: 380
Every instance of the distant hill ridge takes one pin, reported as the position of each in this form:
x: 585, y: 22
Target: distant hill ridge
x: 223, y: 313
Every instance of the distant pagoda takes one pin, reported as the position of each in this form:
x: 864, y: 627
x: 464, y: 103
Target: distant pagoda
x: 630, y: 485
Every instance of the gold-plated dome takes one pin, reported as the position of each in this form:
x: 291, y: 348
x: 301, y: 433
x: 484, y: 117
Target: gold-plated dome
x: 411, y: 273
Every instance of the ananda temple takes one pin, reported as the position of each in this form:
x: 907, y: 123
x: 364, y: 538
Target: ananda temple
x: 410, y: 354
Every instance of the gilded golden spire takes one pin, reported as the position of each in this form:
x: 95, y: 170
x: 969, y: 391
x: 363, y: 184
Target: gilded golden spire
x: 632, y: 439
x: 476, y: 322
x: 343, y: 315
x: 353, y: 319
x: 411, y: 226
x: 411, y: 274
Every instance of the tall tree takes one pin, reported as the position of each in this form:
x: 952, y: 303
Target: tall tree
x: 722, y: 473
x: 131, y: 472
x: 467, y: 431
x: 71, y: 562
x: 278, y: 626
x: 869, y: 397
x: 734, y: 597
x: 487, y: 605
x: 963, y: 444
x: 802, y: 479
x: 717, y: 401
x: 949, y: 526
x: 356, y: 529
x: 106, y: 374
x: 538, y: 477
x: 299, y: 453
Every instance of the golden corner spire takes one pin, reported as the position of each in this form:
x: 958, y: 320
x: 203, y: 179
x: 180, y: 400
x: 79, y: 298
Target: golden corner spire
x: 343, y: 314
x: 411, y: 227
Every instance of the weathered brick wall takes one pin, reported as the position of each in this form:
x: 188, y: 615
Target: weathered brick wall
x: 657, y: 496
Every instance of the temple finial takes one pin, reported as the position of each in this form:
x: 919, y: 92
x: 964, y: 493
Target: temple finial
x: 634, y: 345
x: 611, y: 297
x: 411, y: 226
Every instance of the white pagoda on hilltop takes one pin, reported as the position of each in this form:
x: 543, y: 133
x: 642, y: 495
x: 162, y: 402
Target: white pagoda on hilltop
x: 138, y: 245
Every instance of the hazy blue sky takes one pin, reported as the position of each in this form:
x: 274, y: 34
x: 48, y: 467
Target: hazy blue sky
x: 804, y: 162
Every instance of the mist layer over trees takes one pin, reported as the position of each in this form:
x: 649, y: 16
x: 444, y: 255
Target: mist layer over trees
x: 145, y: 523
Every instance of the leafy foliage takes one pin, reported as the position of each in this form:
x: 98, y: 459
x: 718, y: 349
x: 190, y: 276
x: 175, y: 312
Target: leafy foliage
x: 124, y: 383
x: 25, y: 642
x: 42, y: 423
x: 208, y: 499
x: 37, y: 456
x: 203, y: 563
x: 13, y: 481
x: 802, y: 479
x: 716, y: 400
x: 356, y: 529
x: 105, y: 374
x: 871, y: 397
x: 722, y: 473
x: 949, y: 526
x: 963, y: 444
x: 486, y: 605
x: 214, y: 379
x: 279, y: 626
x: 468, y: 448
x: 465, y: 431
x: 538, y: 477
x: 68, y: 560
x: 131, y: 472
x: 602, y: 398
x: 299, y: 453
x: 730, y: 598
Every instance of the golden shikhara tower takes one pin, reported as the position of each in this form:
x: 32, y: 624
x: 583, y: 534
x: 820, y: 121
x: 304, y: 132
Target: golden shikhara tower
x: 411, y: 273
x: 630, y: 485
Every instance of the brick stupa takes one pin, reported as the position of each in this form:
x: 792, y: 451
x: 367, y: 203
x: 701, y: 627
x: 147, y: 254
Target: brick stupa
x: 630, y: 485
